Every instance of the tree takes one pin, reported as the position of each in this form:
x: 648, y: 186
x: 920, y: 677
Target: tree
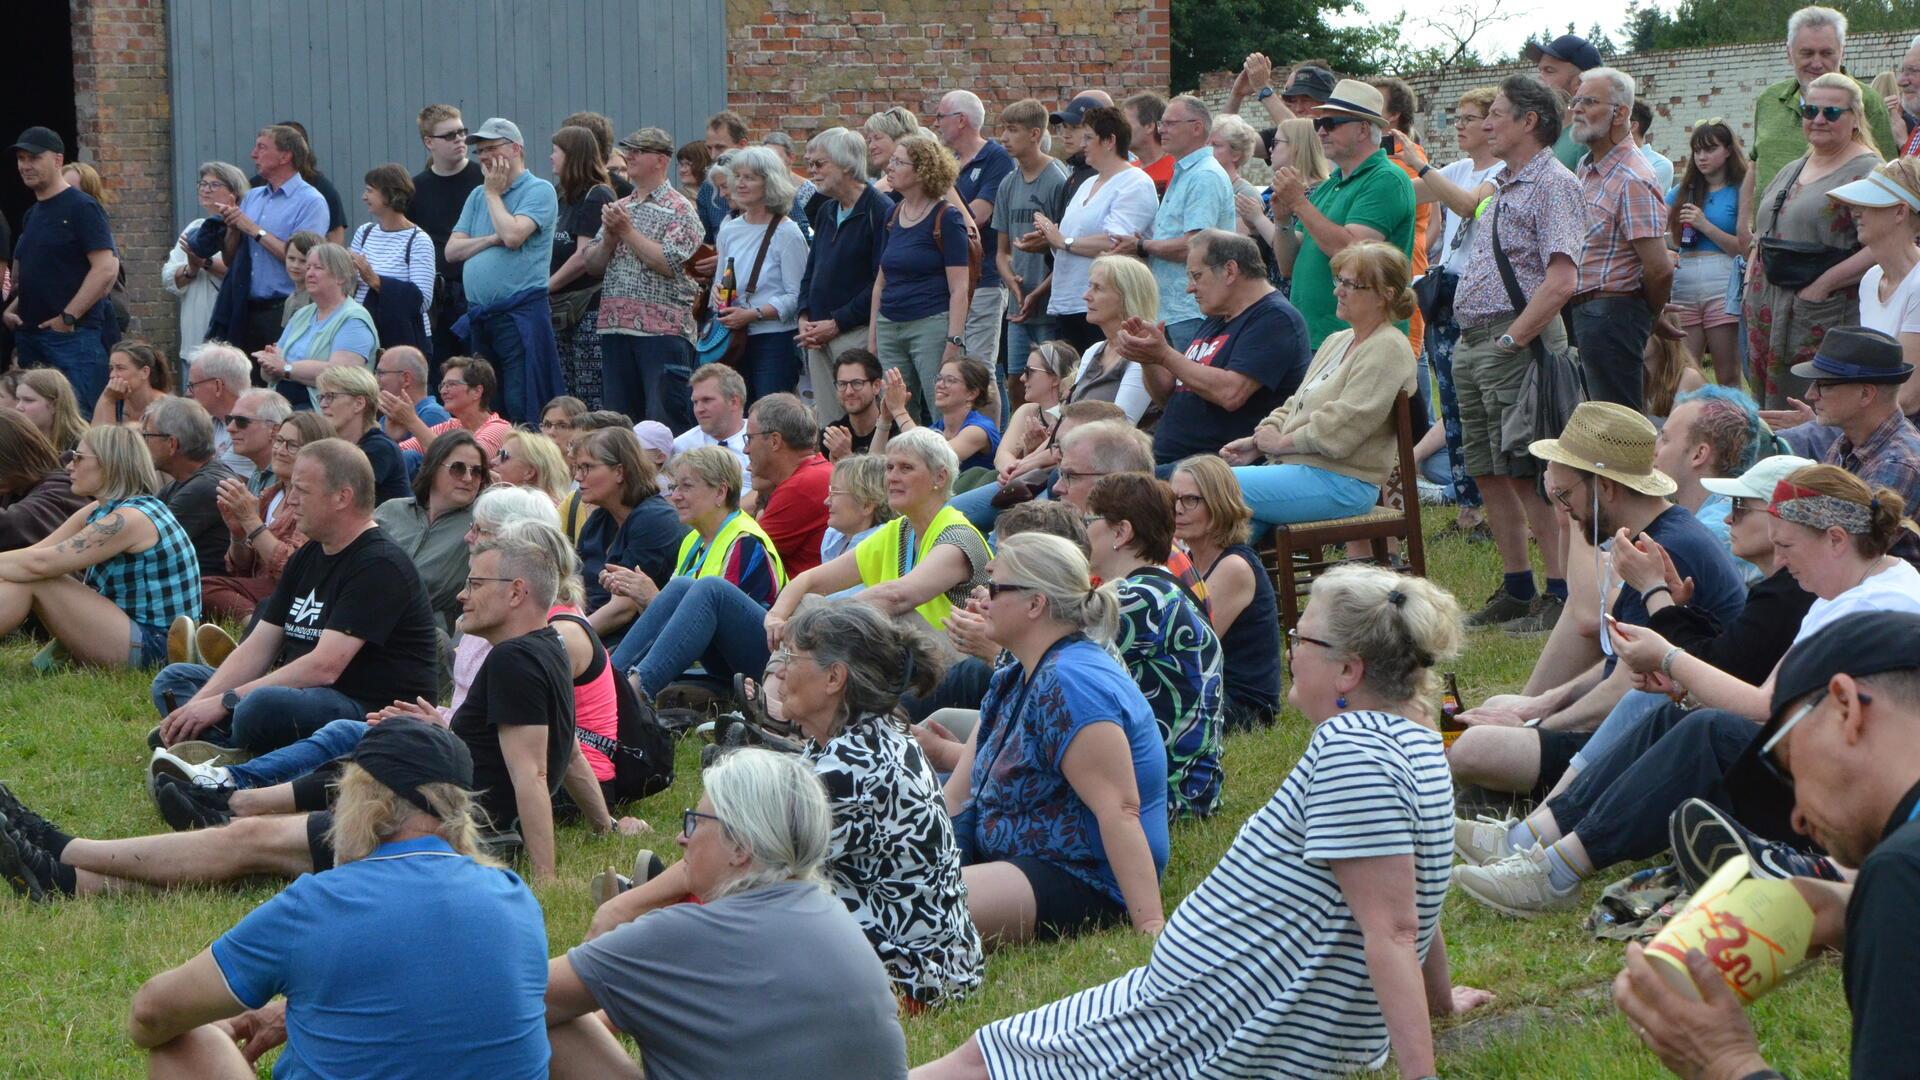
x: 1696, y: 23
x: 1217, y: 35
x: 1456, y: 24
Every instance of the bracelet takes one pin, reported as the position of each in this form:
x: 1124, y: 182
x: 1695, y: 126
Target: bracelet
x: 1662, y: 587
x: 1666, y: 662
x: 256, y: 532
x: 1425, y: 168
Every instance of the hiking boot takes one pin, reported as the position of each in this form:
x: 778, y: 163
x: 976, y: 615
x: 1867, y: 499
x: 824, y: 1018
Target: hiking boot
x: 1705, y: 838
x: 1501, y: 608
x: 186, y: 807
x: 212, y: 645
x: 17, y: 868
x: 1482, y: 840
x: 36, y: 829
x: 180, y: 641
x: 1541, y: 615
x: 1516, y: 885
x: 607, y: 884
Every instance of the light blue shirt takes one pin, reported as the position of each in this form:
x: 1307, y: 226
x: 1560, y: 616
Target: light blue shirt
x: 1199, y: 197
x: 293, y: 207
x: 499, y: 271
x: 1662, y: 167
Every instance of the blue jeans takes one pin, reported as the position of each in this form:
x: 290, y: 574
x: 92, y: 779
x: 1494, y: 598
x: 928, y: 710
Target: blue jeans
x: 708, y: 620
x: 1441, y: 338
x: 771, y: 364
x: 332, y: 742
x: 497, y: 337
x: 1629, y: 714
x: 81, y: 356
x: 645, y: 377
x: 1284, y: 494
x: 267, y: 719
x: 1181, y: 334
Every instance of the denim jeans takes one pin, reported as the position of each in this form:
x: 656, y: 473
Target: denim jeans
x: 771, y: 365
x: 294, y: 760
x: 268, y: 718
x: 497, y: 337
x: 645, y: 376
x: 708, y: 620
x: 81, y: 356
x: 1283, y: 494
x: 1441, y: 338
x: 962, y: 687
x: 1181, y: 334
x: 1629, y: 714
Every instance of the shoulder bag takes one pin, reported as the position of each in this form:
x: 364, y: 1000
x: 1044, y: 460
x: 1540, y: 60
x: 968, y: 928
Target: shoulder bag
x: 1553, y: 385
x: 735, y: 350
x: 1795, y: 264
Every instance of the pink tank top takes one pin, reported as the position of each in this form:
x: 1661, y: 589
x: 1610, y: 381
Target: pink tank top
x: 595, y: 707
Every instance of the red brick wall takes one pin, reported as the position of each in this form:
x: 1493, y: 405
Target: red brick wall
x: 120, y: 85
x: 804, y: 65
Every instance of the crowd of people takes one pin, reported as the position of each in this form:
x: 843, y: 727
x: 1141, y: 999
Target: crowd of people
x: 935, y: 458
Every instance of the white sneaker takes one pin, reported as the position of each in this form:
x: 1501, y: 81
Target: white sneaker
x: 1483, y: 840
x: 165, y: 761
x: 1516, y: 885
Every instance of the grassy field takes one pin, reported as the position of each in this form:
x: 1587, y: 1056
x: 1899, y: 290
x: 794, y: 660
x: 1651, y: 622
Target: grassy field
x: 71, y: 746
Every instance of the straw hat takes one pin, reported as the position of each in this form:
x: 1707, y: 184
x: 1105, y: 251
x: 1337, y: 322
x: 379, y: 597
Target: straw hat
x: 1351, y: 97
x: 1608, y: 440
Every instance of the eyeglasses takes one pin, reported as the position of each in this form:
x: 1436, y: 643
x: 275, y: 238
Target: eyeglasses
x: 939, y: 116
x: 1087, y: 520
x: 474, y: 580
x: 816, y: 163
x: 556, y: 425
x: 502, y: 455
x: 451, y: 136
x: 1350, y: 285
x: 946, y: 380
x: 995, y: 588
x: 1070, y: 477
x: 210, y: 185
x: 583, y: 466
x: 1295, y: 637
x: 851, y: 384
x: 1324, y: 124
x: 453, y: 384
x: 675, y: 489
x: 460, y: 470
x: 1769, y: 752
x: 329, y: 398
x: 690, y: 820
x: 1587, y: 100
x: 1833, y: 113
x: 154, y: 435
x: 1189, y: 503
x: 752, y: 435
x: 71, y: 456
x: 238, y: 422
x: 1467, y: 119
x: 202, y: 382
x: 1169, y: 121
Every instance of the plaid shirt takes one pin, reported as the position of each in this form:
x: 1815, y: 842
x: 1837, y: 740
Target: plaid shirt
x: 1624, y: 204
x: 634, y: 299
x: 1890, y: 457
x: 1541, y: 215
x: 158, y: 584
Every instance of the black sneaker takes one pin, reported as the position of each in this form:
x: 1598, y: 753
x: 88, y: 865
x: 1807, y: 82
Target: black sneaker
x: 186, y: 807
x: 1541, y: 616
x: 37, y: 830
x: 1501, y: 608
x: 16, y: 867
x: 1705, y: 838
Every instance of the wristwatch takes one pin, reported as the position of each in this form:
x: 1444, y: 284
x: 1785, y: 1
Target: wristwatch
x: 1425, y: 168
x: 69, y: 319
x: 960, y: 341
x: 1265, y: 93
x: 1066, y: 243
x: 230, y: 701
x: 260, y: 235
x: 1506, y: 341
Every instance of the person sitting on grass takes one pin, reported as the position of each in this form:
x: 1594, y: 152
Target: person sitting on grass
x: 431, y: 525
x: 1314, y: 948
x: 856, y: 504
x: 349, y: 399
x: 892, y: 858
x: 263, y: 530
x: 768, y: 976
x: 962, y: 390
x: 139, y: 567
x: 632, y: 526
x: 36, y: 496
x: 348, y: 626
x: 1210, y: 518
x: 445, y: 943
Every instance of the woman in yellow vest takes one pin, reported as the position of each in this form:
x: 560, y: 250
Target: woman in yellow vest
x: 726, y: 573
x: 926, y: 560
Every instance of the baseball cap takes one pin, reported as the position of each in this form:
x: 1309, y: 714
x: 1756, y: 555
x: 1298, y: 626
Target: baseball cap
x: 1076, y: 110
x: 1861, y: 644
x: 39, y: 140
x: 1311, y: 82
x: 406, y: 754
x: 648, y: 138
x: 1569, y: 47
x: 1759, y: 481
x: 654, y: 435
x: 496, y: 128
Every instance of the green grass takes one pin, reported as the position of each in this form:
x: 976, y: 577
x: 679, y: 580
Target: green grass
x: 71, y: 746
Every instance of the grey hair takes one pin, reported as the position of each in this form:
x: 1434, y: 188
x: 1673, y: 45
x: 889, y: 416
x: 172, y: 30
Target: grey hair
x: 503, y: 505
x: 714, y: 465
x: 268, y: 406
x: 1527, y: 94
x: 336, y: 262
x: 884, y: 658
x: 968, y: 104
x: 1240, y: 136
x: 788, y: 417
x: 1197, y: 107
x: 864, y: 476
x: 772, y: 807
x: 780, y: 189
x: 222, y: 361
x: 1055, y: 569
x: 780, y: 139
x: 187, y: 422
x: 1914, y: 44
x: 527, y: 559
x: 931, y: 449
x: 1115, y: 443
x: 896, y: 123
x: 1620, y: 85
x: 842, y: 147
x: 1808, y: 18
x: 546, y: 535
x: 228, y: 175
x: 1218, y: 247
x: 1399, y: 627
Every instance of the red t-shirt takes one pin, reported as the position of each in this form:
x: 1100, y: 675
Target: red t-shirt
x: 1161, y: 171
x: 796, y: 515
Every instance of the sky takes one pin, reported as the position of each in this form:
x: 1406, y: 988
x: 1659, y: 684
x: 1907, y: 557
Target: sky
x: 1520, y: 19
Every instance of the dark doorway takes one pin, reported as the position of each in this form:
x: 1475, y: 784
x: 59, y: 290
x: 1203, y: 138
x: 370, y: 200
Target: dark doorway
x: 36, y: 88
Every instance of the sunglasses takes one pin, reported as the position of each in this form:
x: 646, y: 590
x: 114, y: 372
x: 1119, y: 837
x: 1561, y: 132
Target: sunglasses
x: 1833, y: 113
x: 1711, y: 121
x: 460, y: 470
x: 452, y: 136
x: 995, y: 588
x: 238, y: 422
x: 1324, y: 124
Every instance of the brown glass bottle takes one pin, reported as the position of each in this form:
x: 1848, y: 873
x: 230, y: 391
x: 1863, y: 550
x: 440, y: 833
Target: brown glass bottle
x: 1450, y: 708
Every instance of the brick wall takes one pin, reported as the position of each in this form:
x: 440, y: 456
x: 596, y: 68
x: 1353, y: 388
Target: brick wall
x: 1682, y: 85
x: 804, y: 65
x: 120, y: 89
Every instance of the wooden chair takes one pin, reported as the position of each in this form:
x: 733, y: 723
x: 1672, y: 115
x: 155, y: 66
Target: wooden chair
x: 1294, y: 555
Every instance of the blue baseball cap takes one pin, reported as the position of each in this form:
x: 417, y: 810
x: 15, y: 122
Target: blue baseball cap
x: 1572, y: 48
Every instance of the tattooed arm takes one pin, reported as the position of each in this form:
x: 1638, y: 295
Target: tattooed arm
x: 77, y: 545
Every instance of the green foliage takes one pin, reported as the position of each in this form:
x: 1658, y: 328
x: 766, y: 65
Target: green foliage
x: 1696, y: 23
x: 1217, y: 35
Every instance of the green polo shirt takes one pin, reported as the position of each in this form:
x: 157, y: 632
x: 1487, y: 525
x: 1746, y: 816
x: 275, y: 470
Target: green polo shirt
x: 1378, y: 195
x: 1777, y: 138
x: 1567, y: 150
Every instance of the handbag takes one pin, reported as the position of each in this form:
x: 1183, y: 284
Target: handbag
x: 1433, y: 293
x: 1795, y: 264
x: 735, y: 352
x: 1553, y: 385
x: 572, y: 306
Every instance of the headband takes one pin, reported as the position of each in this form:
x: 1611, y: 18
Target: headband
x: 1804, y: 506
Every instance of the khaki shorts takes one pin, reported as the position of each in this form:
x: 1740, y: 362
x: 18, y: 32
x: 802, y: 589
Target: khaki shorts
x: 1486, y: 381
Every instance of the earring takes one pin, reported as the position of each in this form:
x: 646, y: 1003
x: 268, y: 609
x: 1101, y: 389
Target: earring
x: 1340, y: 702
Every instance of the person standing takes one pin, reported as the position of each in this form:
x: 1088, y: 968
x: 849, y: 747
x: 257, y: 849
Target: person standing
x: 1559, y: 64
x: 1662, y: 165
x: 983, y: 165
x: 254, y: 296
x: 1036, y: 185
x: 1816, y: 46
x: 768, y: 253
x: 62, y: 268
x: 646, y: 293
x: 585, y: 189
x: 505, y: 236
x: 836, y: 291
x: 439, y: 194
x: 1144, y: 112
x: 1197, y: 196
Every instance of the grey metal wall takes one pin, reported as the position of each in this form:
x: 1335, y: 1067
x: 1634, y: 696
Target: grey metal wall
x: 356, y: 73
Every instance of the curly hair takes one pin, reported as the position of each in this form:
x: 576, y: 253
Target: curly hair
x: 933, y: 164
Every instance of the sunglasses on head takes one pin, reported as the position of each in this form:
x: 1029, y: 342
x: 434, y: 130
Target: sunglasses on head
x: 1833, y: 113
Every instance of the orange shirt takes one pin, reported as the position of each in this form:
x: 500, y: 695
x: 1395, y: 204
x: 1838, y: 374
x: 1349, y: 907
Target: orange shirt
x: 1422, y: 216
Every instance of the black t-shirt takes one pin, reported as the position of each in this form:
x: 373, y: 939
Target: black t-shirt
x: 579, y: 221
x: 389, y: 471
x: 523, y: 680
x: 861, y: 443
x: 437, y: 202
x: 1268, y: 344
x: 368, y: 590
x: 195, y: 505
x: 50, y: 263
x: 1882, y: 958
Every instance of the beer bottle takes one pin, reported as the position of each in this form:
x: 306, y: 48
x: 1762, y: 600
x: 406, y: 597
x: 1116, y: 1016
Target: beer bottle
x: 1450, y: 725
x: 729, y: 291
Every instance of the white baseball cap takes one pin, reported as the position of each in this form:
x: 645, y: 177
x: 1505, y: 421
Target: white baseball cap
x: 1759, y: 481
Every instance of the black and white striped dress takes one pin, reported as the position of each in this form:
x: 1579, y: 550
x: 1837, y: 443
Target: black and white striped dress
x: 1262, y: 971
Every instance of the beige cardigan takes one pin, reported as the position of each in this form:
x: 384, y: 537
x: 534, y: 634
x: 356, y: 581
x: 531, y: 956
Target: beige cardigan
x: 1344, y: 424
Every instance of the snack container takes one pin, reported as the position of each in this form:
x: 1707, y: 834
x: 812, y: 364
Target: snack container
x: 1754, y: 930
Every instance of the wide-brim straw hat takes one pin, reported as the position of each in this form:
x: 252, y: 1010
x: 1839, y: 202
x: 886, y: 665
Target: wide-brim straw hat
x: 1608, y: 440
x: 1351, y: 97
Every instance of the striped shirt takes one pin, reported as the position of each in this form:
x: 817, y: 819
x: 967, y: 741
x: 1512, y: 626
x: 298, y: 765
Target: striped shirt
x: 158, y: 584
x: 406, y: 254
x: 1262, y: 971
x: 1624, y: 204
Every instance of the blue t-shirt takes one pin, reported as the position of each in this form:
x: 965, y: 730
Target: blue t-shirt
x: 1021, y: 801
x: 917, y: 271
x: 975, y: 418
x: 355, y: 337
x: 1697, y: 554
x: 1268, y: 344
x: 649, y: 540
x: 411, y: 962
x: 980, y: 179
x: 499, y: 271
x: 1722, y: 208
x: 50, y: 261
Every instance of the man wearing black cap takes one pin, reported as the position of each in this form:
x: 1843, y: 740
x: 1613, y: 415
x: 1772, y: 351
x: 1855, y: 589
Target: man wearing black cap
x: 1559, y: 63
x: 1844, y: 728
x: 1307, y: 87
x: 1855, y: 382
x: 62, y: 268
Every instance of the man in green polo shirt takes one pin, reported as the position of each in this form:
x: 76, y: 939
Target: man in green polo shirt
x: 1816, y: 44
x: 1561, y: 63
x: 1366, y: 198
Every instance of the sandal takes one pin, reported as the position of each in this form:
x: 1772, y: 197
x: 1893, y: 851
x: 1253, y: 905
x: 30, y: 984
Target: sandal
x: 753, y: 707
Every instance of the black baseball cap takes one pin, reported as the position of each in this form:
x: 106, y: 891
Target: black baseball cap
x: 406, y: 754
x: 1572, y: 48
x: 1868, y: 643
x: 1076, y: 110
x: 1310, y: 82
x: 39, y: 140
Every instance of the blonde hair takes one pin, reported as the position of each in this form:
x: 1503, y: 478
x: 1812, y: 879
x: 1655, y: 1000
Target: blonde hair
x: 1383, y: 268
x: 353, y: 382
x: 714, y: 465
x: 1886, y: 509
x: 367, y: 813
x: 1228, y: 517
x: 1129, y: 277
x: 895, y: 123
x: 53, y: 387
x: 865, y: 478
x: 1397, y: 626
x: 1309, y: 157
x: 1905, y: 172
x: 550, y: 472
x: 126, y: 469
x: 1856, y: 103
x: 1057, y: 570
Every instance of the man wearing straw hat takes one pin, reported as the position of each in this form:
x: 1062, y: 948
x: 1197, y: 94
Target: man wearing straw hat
x: 1600, y: 471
